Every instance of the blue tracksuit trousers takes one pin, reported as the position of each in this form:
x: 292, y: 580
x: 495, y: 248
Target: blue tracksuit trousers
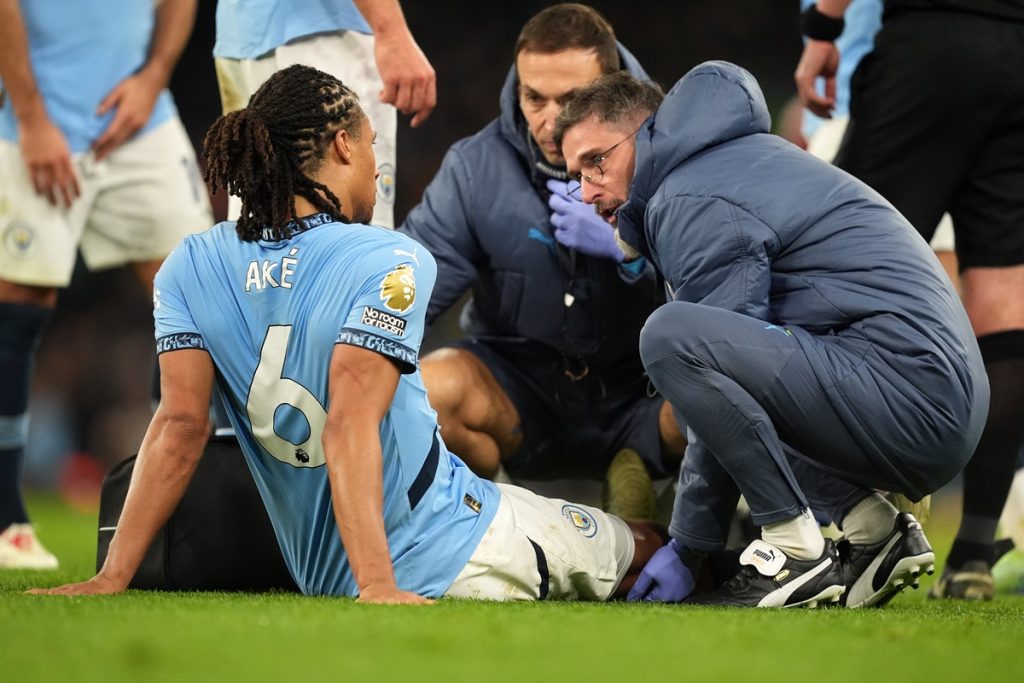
x: 770, y: 420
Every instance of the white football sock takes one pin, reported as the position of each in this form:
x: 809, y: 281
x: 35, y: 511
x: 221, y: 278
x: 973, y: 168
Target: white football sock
x: 870, y: 520
x: 800, y: 537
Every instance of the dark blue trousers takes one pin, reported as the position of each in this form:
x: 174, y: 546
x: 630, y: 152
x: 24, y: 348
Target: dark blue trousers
x: 795, y: 421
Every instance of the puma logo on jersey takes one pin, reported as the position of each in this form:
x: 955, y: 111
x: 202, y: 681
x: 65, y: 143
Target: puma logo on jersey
x: 410, y: 254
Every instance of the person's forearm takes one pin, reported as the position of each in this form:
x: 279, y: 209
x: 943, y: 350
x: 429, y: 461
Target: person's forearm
x: 166, y: 463
x: 383, y: 16
x: 833, y: 8
x: 173, y: 26
x: 355, y: 467
x: 15, y: 67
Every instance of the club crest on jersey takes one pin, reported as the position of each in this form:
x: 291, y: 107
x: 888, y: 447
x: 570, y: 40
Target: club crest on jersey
x: 386, y: 183
x: 398, y: 289
x: 20, y: 239
x: 582, y: 520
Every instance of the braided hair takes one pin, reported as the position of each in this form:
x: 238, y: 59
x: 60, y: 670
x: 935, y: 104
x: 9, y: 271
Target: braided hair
x: 266, y: 152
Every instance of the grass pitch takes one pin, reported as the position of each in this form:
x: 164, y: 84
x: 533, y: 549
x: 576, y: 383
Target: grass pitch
x: 229, y: 636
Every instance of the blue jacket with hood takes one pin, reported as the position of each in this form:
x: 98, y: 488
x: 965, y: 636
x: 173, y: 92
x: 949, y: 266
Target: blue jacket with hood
x: 739, y: 219
x: 486, y: 220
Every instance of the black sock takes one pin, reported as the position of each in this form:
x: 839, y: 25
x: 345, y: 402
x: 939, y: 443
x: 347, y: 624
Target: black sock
x: 987, y: 477
x: 21, y: 327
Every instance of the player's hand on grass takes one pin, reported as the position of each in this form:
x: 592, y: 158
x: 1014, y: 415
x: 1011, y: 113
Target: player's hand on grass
x: 665, y: 578
x: 578, y: 226
x: 132, y: 101
x: 391, y: 595
x: 819, y: 59
x: 48, y: 160
x: 410, y: 83
x: 97, y: 585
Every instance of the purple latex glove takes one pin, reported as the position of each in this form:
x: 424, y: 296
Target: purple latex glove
x: 665, y: 578
x: 578, y: 226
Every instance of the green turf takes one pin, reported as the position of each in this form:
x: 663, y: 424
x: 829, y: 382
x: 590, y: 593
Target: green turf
x: 177, y: 636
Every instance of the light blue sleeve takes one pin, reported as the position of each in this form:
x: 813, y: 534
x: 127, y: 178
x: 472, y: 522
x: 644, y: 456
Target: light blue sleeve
x: 389, y: 312
x: 175, y: 328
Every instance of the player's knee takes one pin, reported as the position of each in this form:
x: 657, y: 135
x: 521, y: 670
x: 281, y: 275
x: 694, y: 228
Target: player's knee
x: 444, y: 377
x: 14, y: 293
x: 664, y: 332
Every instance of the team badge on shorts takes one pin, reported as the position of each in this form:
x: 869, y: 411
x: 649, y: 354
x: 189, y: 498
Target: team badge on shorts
x: 386, y: 183
x: 19, y: 239
x: 582, y: 520
x: 398, y: 289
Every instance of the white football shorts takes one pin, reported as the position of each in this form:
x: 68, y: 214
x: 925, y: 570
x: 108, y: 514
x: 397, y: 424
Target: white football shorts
x: 346, y: 55
x: 136, y: 206
x: 540, y: 548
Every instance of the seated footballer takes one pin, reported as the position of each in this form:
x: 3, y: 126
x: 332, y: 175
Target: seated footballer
x: 310, y: 322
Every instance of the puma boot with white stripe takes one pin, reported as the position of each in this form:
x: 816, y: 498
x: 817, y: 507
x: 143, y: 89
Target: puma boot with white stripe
x: 769, y: 578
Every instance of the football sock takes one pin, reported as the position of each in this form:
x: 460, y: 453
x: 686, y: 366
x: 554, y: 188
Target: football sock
x: 870, y: 520
x: 989, y: 474
x: 800, y: 537
x: 21, y: 327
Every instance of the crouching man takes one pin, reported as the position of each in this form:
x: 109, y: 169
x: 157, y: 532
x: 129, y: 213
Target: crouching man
x: 814, y: 347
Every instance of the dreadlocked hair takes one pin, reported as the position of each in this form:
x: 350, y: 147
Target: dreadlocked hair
x: 265, y: 153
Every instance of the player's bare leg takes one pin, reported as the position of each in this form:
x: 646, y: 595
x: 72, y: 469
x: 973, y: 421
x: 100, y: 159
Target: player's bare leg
x: 648, y: 537
x: 478, y: 421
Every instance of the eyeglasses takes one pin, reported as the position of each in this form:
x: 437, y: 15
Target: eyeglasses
x: 592, y: 171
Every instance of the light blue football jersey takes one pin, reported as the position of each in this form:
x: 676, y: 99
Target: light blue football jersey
x: 270, y: 313
x: 79, y: 51
x: 863, y: 20
x: 247, y: 29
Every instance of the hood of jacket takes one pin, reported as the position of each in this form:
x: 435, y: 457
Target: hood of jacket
x: 512, y: 123
x: 714, y: 102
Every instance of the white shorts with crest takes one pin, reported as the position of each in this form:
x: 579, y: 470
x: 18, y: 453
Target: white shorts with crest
x: 135, y: 206
x: 546, y: 549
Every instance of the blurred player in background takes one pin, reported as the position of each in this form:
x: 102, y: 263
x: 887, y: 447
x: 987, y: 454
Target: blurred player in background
x: 92, y: 156
x: 823, y: 135
x: 365, y: 43
x: 324, y: 392
x: 804, y: 375
x: 937, y: 125
x: 549, y: 383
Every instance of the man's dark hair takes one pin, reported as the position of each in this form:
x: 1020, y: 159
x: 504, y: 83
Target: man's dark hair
x: 266, y: 152
x: 611, y: 98
x: 571, y: 25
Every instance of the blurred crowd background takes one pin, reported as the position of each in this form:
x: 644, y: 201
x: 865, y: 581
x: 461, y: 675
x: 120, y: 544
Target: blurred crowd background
x: 91, y: 399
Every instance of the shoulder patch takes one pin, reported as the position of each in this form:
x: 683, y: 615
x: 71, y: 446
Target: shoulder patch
x: 392, y: 324
x: 398, y: 289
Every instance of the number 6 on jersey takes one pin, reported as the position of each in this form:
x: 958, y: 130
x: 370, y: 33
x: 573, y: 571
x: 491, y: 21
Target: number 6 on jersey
x: 270, y: 392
